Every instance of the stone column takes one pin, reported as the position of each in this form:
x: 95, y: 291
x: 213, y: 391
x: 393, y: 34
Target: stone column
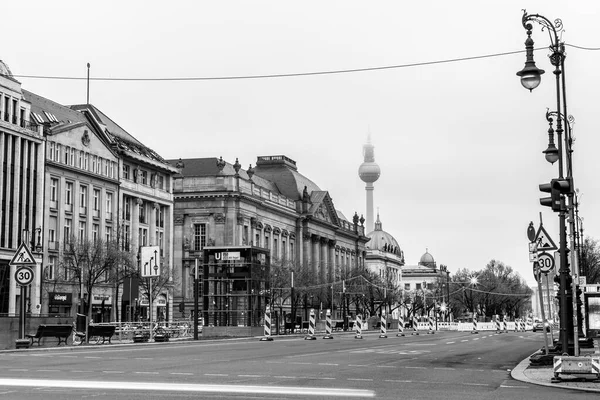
x: 331, y: 261
x: 135, y: 224
x: 315, y: 260
x: 152, y: 234
x: 306, y: 251
x: 324, y: 267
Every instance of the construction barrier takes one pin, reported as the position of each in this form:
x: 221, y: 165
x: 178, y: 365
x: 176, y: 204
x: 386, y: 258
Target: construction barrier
x: 497, y: 321
x: 311, y: 326
x: 474, y: 324
x: 529, y: 323
x: 400, y: 326
x: 430, y: 331
x: 383, y: 328
x: 523, y: 324
x: 415, y: 327
x: 516, y: 325
x: 267, y: 336
x: 505, y: 324
x: 358, y: 327
x: 328, y: 327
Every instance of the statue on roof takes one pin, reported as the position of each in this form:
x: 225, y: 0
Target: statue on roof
x: 305, y: 195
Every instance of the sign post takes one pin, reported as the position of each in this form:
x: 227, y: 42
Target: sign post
x: 22, y: 261
x: 150, y: 269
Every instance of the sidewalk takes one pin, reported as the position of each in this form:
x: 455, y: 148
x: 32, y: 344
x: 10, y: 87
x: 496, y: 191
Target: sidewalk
x: 543, y: 375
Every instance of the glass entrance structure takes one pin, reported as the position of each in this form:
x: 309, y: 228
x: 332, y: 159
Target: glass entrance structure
x: 235, y: 285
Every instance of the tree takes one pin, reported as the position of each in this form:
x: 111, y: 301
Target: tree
x: 589, y: 263
x: 91, y: 263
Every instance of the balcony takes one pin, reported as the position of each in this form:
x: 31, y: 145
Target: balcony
x: 53, y: 246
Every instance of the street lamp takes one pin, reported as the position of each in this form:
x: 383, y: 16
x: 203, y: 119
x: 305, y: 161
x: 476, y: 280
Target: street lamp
x: 530, y: 79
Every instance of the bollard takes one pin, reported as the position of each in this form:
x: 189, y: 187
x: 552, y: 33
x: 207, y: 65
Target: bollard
x: 474, y: 324
x: 311, y: 326
x: 400, y: 326
x: 415, y: 327
x: 328, y: 328
x: 267, y: 337
x: 383, y: 328
x: 358, y: 327
x: 430, y: 331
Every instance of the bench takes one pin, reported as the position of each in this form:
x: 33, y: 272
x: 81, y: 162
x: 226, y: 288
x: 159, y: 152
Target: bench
x: 61, y: 332
x: 104, y: 332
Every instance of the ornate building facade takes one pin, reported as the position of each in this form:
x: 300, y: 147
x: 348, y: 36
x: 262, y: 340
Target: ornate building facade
x: 271, y: 206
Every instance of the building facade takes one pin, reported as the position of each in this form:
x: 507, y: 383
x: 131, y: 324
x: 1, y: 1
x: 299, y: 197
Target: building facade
x: 271, y: 206
x: 21, y: 190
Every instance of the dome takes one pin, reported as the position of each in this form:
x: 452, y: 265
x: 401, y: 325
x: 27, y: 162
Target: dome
x: 369, y: 172
x: 383, y: 241
x: 427, y: 260
x: 4, y: 70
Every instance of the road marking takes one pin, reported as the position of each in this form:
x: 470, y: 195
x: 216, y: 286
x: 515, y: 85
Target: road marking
x: 357, y: 365
x: 386, y: 366
x: 68, y: 356
x: 476, y: 339
x: 284, y: 377
x: 475, y: 384
x: 275, y: 362
x: 145, y: 373
x: 300, y: 363
x: 415, y: 367
x: 397, y: 381
x: 80, y: 371
x: 251, y: 376
x: 446, y: 368
x: 114, y: 372
x: 335, y: 365
x: 450, y: 342
x: 48, y: 370
x: 360, y: 379
x: 138, y: 358
x: 513, y: 387
x: 191, y: 387
x: 322, y: 379
x: 465, y: 340
x: 91, y: 357
x: 216, y: 374
x: 181, y: 373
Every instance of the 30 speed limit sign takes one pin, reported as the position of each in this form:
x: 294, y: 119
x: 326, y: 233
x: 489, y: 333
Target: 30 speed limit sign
x: 24, y: 276
x: 545, y: 262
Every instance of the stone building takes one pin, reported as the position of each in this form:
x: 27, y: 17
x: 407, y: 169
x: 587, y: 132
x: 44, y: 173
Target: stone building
x: 271, y: 206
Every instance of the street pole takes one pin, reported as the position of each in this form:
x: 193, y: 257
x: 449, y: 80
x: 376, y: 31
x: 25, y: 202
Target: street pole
x: 150, y: 305
x: 196, y: 301
x: 292, y: 308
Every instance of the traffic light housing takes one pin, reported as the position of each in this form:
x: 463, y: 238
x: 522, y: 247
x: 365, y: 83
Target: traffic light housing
x: 556, y: 188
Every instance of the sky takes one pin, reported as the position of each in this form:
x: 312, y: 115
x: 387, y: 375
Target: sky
x: 459, y: 143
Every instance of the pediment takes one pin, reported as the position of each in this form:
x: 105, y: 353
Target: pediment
x: 323, y: 209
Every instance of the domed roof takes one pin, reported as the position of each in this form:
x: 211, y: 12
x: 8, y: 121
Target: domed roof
x: 427, y: 259
x: 383, y: 241
x: 4, y: 70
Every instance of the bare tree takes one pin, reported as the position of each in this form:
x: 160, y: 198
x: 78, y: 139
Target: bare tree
x: 590, y: 260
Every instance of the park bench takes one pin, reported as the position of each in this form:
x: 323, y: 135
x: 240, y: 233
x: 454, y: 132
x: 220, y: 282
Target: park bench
x: 97, y: 333
x: 61, y: 332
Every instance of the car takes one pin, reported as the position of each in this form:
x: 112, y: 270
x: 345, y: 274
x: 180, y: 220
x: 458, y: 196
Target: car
x: 539, y: 325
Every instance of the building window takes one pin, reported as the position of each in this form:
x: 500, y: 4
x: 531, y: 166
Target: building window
x: 275, y: 248
x: 257, y: 240
x: 199, y: 236
x: 96, y: 199
x: 143, y: 236
x: 57, y: 153
x: 67, y: 150
x: 267, y: 242
x: 83, y: 196
x: 142, y: 208
x: 127, y: 208
x: 161, y: 182
x: 67, y: 231
x: 126, y: 172
x: 72, y: 157
x: 94, y: 163
x: 53, y: 189
x: 283, y: 249
x: 292, y: 254
x: 80, y: 161
x: 418, y: 286
x: 86, y: 158
x: 95, y: 232
x: 51, y: 151
x: 109, y: 200
x: 144, y: 177
x: 69, y: 193
x: 108, y: 233
x: 50, y: 268
x: 161, y: 241
x: 81, y: 231
x: 126, y: 238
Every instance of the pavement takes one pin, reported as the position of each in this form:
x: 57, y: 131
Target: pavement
x: 543, y: 375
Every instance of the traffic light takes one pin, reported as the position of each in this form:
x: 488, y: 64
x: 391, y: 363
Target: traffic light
x: 556, y: 188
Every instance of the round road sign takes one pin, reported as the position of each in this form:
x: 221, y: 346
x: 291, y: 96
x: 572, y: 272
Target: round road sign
x: 24, y: 276
x: 545, y: 262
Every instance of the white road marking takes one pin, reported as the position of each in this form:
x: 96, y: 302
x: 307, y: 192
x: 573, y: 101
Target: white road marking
x: 357, y: 365
x: 300, y: 363
x: 91, y: 357
x: 181, y: 373
x: 145, y: 373
x: 196, y: 388
x: 475, y: 384
x: 335, y: 365
x: 513, y: 387
x: 446, y: 368
x: 48, y: 370
x: 139, y: 358
x: 450, y: 342
x: 360, y: 379
x: 415, y: 367
x: 114, y: 372
x: 284, y: 377
x: 216, y: 374
x: 476, y: 339
x: 251, y: 376
x: 465, y: 340
x: 386, y: 366
x: 68, y: 356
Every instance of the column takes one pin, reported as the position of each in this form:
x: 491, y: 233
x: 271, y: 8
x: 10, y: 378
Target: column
x: 331, y: 260
x: 135, y: 224
x: 315, y: 262
x: 323, y: 272
x: 306, y: 256
x: 152, y: 234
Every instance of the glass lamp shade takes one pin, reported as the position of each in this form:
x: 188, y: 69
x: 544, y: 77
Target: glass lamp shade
x: 551, y: 153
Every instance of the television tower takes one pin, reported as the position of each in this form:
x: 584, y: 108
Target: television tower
x: 369, y: 172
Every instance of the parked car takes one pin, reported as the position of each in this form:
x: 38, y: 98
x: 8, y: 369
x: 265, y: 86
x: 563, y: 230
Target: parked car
x: 539, y: 325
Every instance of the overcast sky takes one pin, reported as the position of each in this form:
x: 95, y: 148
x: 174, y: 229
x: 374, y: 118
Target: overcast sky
x: 459, y: 144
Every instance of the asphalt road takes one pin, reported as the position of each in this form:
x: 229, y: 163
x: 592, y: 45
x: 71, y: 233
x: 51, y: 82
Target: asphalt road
x: 445, y: 365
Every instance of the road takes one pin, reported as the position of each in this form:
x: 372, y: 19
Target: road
x: 445, y: 365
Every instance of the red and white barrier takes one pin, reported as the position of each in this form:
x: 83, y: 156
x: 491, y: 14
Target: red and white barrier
x: 328, y: 327
x: 400, y: 326
x: 415, y: 327
x: 311, y: 326
x: 383, y: 328
x: 358, y: 327
x: 474, y: 324
x: 267, y: 337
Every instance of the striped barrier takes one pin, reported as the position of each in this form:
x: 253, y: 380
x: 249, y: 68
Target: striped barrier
x: 400, y: 326
x: 529, y: 323
x: 267, y: 337
x: 516, y: 325
x: 328, y: 327
x: 383, y: 328
x: 415, y: 327
x: 474, y: 324
x: 311, y: 326
x: 497, y: 321
x: 575, y: 365
x: 430, y: 331
x: 505, y: 324
x: 358, y: 327
x: 523, y: 324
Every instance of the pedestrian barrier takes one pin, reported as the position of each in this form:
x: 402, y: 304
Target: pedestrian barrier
x: 497, y: 321
x: 523, y: 324
x: 529, y: 323
x: 474, y: 324
x: 311, y: 326
x: 383, y: 329
x: 328, y: 327
x: 400, y: 326
x: 430, y: 331
x: 267, y: 337
x: 358, y: 327
x: 415, y: 327
x: 516, y: 325
x: 505, y: 324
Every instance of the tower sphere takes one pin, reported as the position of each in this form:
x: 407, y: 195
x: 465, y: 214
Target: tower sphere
x: 369, y: 172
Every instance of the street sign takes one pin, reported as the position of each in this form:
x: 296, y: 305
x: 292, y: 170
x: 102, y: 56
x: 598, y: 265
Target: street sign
x: 24, y: 276
x: 544, y: 240
x: 531, y: 232
x: 536, y: 271
x: 545, y: 262
x: 23, y: 256
x: 150, y: 262
x: 533, y: 257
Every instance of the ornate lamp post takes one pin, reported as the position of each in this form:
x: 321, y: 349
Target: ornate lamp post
x: 530, y: 79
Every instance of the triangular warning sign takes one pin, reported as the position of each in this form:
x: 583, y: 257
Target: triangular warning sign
x: 544, y: 240
x: 23, y: 256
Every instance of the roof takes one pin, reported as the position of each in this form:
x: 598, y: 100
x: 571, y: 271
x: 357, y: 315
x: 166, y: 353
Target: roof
x: 45, y: 109
x: 282, y: 172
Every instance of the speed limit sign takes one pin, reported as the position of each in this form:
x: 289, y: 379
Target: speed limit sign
x: 545, y: 262
x: 24, y: 276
